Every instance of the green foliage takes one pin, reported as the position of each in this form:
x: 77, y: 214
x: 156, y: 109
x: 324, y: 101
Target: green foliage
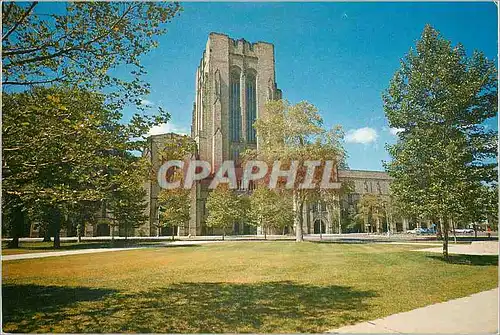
x: 270, y: 209
x: 174, y: 207
x: 82, y: 43
x: 174, y: 203
x: 225, y: 208
x: 295, y: 133
x: 370, y: 211
x: 440, y: 98
x: 64, y: 149
x: 126, y: 200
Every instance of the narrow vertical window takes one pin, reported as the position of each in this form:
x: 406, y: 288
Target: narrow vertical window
x: 234, y: 106
x: 251, y: 106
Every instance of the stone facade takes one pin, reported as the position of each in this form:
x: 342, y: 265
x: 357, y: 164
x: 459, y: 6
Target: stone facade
x: 234, y: 80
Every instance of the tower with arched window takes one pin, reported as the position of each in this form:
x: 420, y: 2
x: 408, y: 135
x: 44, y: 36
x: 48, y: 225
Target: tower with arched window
x: 234, y: 80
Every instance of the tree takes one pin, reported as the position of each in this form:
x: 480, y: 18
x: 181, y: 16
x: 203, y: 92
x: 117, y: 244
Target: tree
x: 270, y: 209
x: 225, y: 207
x: 440, y: 99
x: 62, y: 146
x: 289, y: 133
x: 370, y: 211
x: 174, y: 204
x: 79, y: 43
x: 174, y: 208
x: 333, y: 198
x: 126, y: 199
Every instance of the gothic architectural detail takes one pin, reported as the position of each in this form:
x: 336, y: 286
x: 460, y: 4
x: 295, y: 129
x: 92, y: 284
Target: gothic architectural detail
x: 234, y: 80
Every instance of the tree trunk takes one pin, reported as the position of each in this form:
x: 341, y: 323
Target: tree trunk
x: 14, y: 243
x: 444, y: 230
x: 475, y: 230
x: 56, y: 215
x: 265, y: 232
x: 17, y: 228
x: 340, y: 218
x: 173, y: 233
x: 223, y: 233
x: 439, y: 233
x: 454, y: 233
x: 46, y: 235
x: 298, y: 206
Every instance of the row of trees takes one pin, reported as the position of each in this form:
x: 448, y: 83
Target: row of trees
x: 286, y: 133
x: 269, y: 209
x: 67, y: 154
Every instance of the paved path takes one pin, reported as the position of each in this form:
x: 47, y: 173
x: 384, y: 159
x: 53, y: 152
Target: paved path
x: 475, y: 314
x: 97, y: 250
x: 475, y: 248
x: 61, y: 253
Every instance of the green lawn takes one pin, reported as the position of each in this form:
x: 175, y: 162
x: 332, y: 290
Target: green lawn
x: 232, y: 287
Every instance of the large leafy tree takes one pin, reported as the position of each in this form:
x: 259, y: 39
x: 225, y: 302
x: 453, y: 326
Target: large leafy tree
x: 62, y: 146
x: 440, y: 98
x: 295, y: 133
x: 81, y: 43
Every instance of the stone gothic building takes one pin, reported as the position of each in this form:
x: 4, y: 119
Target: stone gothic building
x: 234, y: 80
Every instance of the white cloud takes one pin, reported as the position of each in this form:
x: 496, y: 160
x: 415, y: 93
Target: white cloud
x: 363, y: 135
x: 395, y: 131
x: 168, y: 128
x: 146, y: 102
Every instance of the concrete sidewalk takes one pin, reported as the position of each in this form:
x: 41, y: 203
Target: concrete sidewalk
x: 98, y: 250
x: 475, y: 314
x: 479, y: 248
x: 62, y: 253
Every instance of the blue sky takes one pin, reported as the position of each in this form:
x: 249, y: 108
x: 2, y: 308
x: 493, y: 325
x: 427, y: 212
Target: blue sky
x: 338, y: 56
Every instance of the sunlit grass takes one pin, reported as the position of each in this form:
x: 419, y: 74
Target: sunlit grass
x: 232, y: 287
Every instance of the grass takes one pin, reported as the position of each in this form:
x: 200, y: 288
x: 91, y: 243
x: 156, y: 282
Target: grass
x: 232, y: 287
x: 35, y: 247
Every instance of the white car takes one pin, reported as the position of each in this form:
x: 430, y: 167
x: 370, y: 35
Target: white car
x: 464, y: 231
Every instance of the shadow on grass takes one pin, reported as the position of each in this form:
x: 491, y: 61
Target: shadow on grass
x: 23, y: 304
x: 191, y: 307
x: 468, y: 259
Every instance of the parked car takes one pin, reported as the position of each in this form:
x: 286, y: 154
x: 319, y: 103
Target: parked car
x: 421, y: 231
x: 463, y: 231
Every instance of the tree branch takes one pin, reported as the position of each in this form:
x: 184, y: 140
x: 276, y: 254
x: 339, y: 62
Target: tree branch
x: 64, y: 51
x: 20, y: 83
x: 25, y: 15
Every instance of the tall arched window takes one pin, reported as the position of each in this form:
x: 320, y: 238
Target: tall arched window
x: 234, y: 105
x: 251, y: 106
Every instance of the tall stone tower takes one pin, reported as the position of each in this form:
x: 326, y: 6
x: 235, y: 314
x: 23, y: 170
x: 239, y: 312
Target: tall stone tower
x: 234, y: 80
